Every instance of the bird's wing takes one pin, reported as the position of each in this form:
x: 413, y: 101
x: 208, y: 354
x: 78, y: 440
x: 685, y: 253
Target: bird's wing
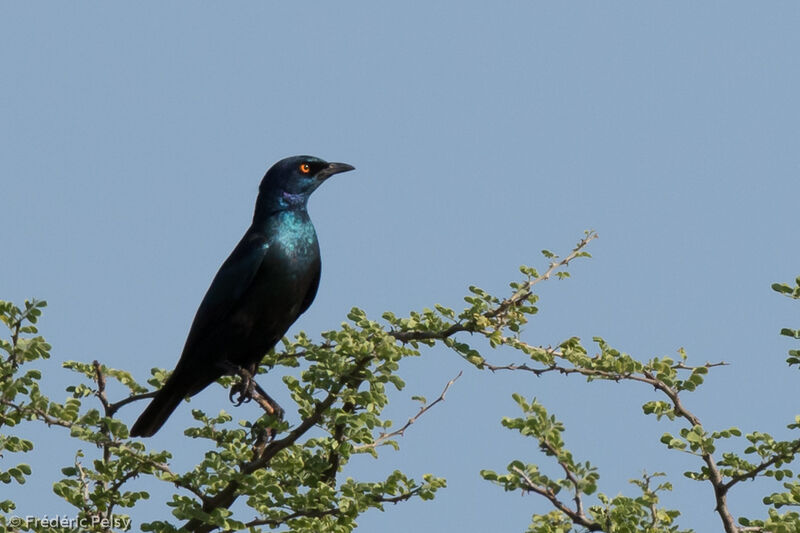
x: 231, y: 282
x: 312, y: 291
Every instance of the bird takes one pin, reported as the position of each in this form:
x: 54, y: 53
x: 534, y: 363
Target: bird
x: 266, y: 283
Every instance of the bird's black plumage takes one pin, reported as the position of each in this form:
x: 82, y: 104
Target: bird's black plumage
x: 269, y: 280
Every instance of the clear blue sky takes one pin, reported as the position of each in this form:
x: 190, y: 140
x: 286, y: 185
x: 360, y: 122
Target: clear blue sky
x: 133, y: 138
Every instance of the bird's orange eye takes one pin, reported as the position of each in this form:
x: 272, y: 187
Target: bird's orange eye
x: 305, y: 168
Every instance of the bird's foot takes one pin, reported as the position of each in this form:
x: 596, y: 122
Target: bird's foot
x: 247, y: 389
x: 244, y: 389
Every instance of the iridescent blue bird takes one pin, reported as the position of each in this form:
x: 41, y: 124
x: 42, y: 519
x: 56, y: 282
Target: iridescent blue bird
x: 269, y: 280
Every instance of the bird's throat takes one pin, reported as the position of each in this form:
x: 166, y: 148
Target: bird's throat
x: 295, y: 234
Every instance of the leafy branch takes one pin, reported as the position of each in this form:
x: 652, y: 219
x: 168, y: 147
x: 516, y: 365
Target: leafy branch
x: 289, y: 477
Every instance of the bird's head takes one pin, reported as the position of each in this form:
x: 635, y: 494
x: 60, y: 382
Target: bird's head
x: 292, y: 180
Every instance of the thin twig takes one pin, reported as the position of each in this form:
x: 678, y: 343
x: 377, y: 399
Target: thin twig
x: 15, y: 328
x: 652, y: 507
x: 383, y: 437
x: 576, y: 516
x: 570, y: 476
x: 84, y: 485
x: 522, y: 294
x: 114, y: 407
x: 26, y: 410
x: 177, y: 482
x: 751, y: 474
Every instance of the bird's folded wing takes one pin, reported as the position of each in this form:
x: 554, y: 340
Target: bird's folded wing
x: 231, y: 282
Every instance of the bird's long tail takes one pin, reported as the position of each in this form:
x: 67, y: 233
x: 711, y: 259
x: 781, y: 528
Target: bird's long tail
x: 160, y: 408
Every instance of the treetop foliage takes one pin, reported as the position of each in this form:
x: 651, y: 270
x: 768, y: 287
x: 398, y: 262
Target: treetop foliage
x: 293, y: 476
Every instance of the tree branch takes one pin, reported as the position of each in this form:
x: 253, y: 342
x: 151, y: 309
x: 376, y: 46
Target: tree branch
x: 647, y: 377
x: 316, y: 513
x: 101, y: 394
x: 228, y: 495
x: 714, y: 476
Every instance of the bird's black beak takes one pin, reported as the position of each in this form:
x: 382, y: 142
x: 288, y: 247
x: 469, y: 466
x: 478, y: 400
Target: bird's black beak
x: 334, y: 168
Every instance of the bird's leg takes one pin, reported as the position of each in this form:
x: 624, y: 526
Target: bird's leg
x: 271, y: 407
x: 266, y: 401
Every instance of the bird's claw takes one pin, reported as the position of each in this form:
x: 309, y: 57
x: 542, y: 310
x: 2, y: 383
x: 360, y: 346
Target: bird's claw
x: 245, y: 388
